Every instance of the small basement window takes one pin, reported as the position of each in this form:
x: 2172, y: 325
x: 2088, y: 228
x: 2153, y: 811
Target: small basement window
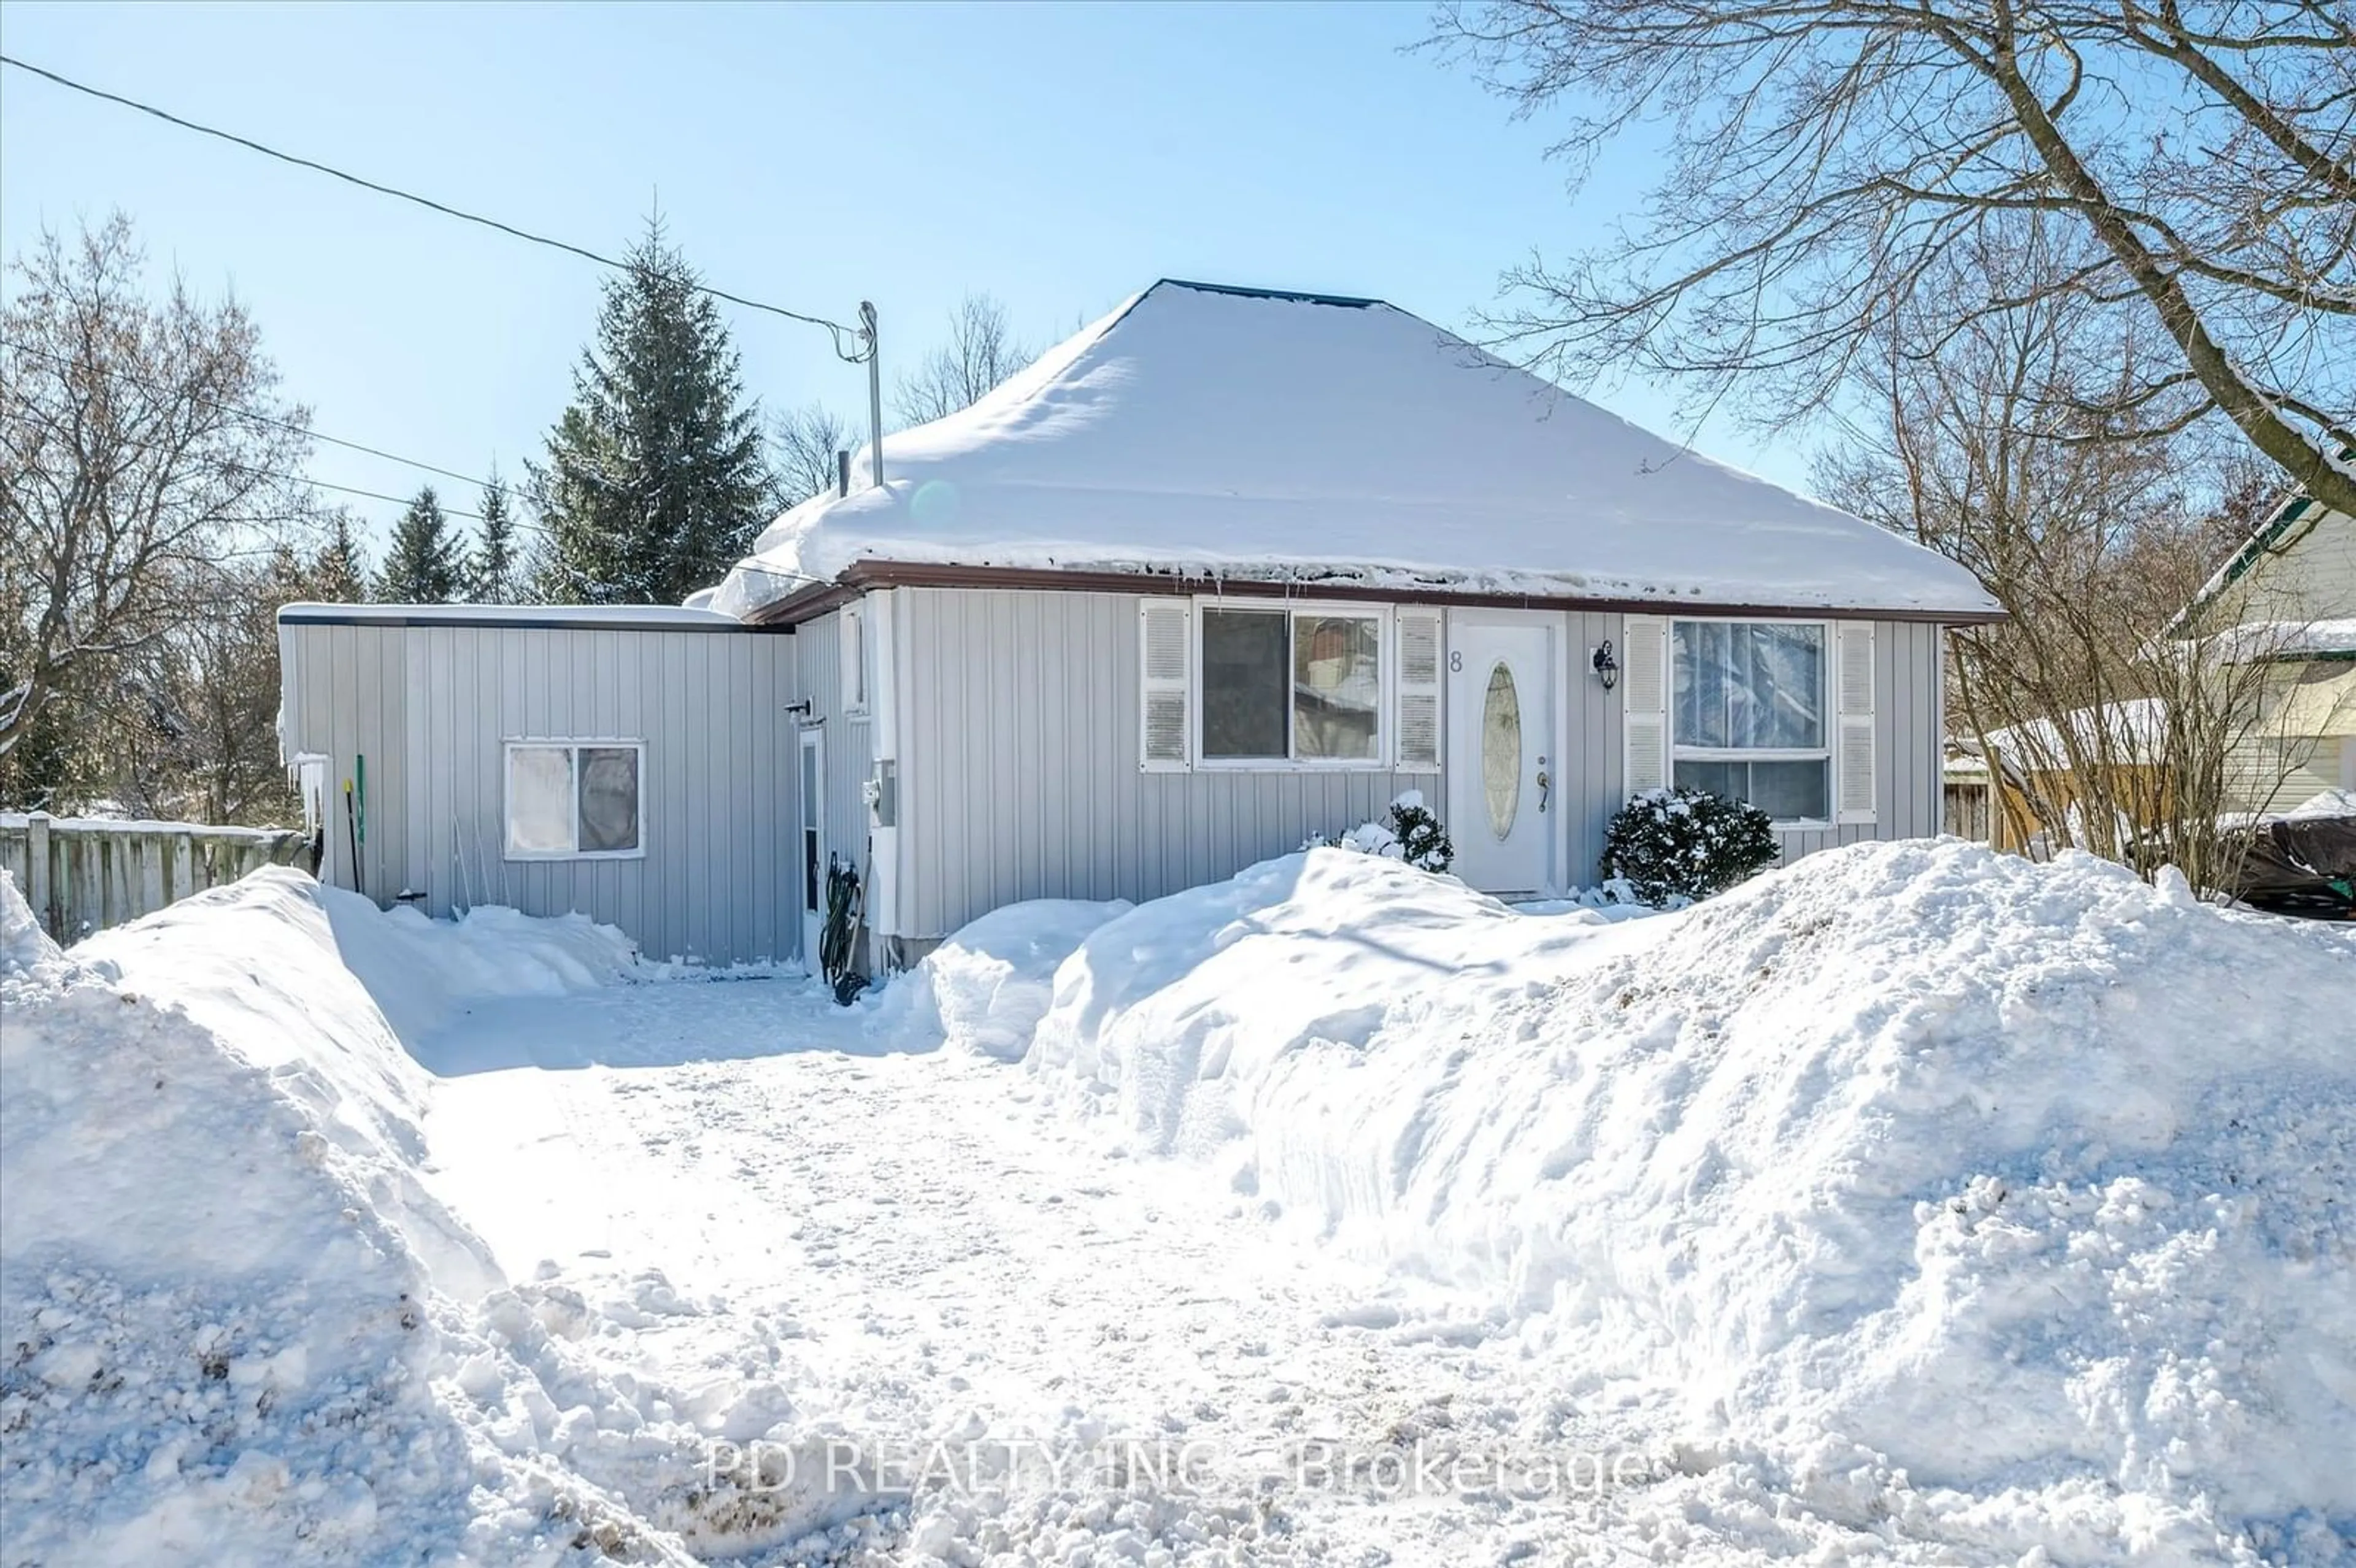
x: 571, y: 800
x: 1301, y: 686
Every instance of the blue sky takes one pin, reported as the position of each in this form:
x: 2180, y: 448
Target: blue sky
x: 1057, y: 158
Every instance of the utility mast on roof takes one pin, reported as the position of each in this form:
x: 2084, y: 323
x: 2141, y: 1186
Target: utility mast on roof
x: 874, y: 396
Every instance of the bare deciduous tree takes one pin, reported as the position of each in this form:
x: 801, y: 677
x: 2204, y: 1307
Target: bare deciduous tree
x: 802, y: 446
x: 141, y: 454
x: 2108, y: 725
x: 2191, y: 163
x: 982, y: 352
x: 223, y: 674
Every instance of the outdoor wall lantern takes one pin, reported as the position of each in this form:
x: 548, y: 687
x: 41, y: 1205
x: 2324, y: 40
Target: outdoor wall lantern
x: 1607, y: 668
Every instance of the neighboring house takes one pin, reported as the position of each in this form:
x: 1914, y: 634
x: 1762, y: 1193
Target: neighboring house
x: 2287, y: 597
x: 1225, y: 569
x: 2037, y: 782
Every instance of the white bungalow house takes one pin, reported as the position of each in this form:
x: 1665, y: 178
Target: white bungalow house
x: 1226, y: 569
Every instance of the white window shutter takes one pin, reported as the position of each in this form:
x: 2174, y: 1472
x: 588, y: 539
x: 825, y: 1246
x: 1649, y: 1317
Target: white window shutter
x: 1853, y: 760
x: 1419, y: 638
x: 1644, y: 703
x: 1165, y: 662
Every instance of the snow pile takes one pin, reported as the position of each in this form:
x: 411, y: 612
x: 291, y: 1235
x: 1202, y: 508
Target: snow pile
x: 390, y: 972
x: 985, y: 989
x: 1230, y: 432
x: 2016, y: 1176
x: 1198, y: 1010
x: 422, y: 971
x: 25, y: 947
x: 243, y: 1331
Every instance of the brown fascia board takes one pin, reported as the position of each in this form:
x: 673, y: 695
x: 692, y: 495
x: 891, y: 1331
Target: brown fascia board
x: 858, y: 578
x: 802, y: 604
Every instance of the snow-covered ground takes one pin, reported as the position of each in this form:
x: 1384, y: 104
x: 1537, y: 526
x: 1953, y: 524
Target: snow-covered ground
x: 1909, y: 1205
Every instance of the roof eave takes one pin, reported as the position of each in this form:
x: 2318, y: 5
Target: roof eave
x: 811, y: 602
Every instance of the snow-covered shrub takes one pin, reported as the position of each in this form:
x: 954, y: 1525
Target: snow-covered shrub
x: 1422, y: 842
x: 1412, y: 833
x: 1681, y: 845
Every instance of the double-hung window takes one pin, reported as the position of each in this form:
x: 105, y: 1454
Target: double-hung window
x: 1288, y: 684
x: 1748, y: 714
x: 571, y: 800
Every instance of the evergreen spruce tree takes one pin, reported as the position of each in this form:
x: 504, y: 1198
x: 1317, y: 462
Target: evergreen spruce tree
x: 339, y: 573
x: 494, y: 575
x: 655, y: 482
x: 421, y: 565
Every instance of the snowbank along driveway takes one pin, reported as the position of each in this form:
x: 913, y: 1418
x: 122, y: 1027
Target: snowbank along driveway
x: 1909, y: 1205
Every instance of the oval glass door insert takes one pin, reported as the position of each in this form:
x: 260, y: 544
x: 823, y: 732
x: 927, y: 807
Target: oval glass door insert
x: 1501, y: 750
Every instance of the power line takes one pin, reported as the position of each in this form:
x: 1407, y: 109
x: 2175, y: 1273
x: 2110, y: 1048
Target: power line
x: 380, y: 496
x: 304, y: 479
x: 255, y: 414
x: 840, y: 332
x: 242, y: 411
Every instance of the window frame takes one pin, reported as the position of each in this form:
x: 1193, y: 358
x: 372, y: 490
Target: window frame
x: 508, y: 749
x: 1828, y: 717
x: 1385, y: 618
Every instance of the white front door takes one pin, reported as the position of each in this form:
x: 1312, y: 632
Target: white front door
x: 810, y: 846
x: 1505, y: 778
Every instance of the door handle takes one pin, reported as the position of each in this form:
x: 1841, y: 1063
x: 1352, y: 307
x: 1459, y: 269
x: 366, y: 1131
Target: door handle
x: 1544, y: 782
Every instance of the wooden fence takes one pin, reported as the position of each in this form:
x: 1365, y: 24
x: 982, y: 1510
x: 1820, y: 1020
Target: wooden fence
x: 83, y: 875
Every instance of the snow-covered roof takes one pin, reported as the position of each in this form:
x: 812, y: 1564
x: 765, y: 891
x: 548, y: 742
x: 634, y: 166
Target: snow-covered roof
x: 2255, y: 640
x: 2129, y: 731
x: 1238, y: 433
x: 592, y: 617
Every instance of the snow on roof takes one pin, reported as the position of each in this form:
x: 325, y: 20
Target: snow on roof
x: 2254, y: 640
x: 667, y: 617
x: 2134, y: 731
x: 1229, y: 432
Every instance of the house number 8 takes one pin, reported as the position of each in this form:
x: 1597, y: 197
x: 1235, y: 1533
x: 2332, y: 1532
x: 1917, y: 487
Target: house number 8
x: 1456, y: 661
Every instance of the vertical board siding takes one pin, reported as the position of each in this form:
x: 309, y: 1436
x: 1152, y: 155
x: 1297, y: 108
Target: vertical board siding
x: 1018, y: 765
x: 849, y: 746
x: 1593, y: 770
x: 431, y: 707
x: 1019, y: 775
